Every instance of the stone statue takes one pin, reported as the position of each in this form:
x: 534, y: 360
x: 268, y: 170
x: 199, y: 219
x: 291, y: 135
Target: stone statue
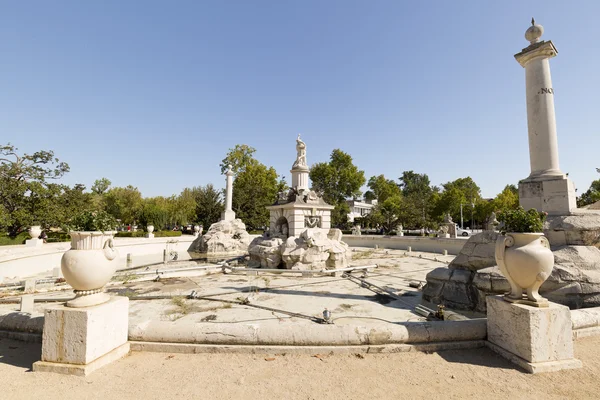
x: 301, y: 157
x: 492, y: 222
x: 448, y: 219
x: 444, y: 229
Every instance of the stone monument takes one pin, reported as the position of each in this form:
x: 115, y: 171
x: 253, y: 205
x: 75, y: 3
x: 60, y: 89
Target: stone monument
x: 228, y: 236
x: 546, y: 188
x: 228, y: 214
x: 573, y: 233
x: 400, y: 230
x: 300, y: 207
x: 451, y: 226
x: 300, y: 235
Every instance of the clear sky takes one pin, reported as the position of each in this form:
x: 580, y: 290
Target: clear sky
x: 154, y: 93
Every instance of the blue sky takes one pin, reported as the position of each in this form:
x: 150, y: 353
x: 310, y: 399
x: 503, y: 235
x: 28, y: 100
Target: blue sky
x: 154, y: 93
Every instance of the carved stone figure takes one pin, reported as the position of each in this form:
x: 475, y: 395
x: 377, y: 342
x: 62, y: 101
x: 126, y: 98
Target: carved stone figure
x: 447, y: 218
x: 301, y: 157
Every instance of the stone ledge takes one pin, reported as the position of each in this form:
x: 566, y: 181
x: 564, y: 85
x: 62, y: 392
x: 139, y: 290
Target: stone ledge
x: 535, y: 368
x: 586, y: 332
x: 82, y: 370
x: 190, y: 348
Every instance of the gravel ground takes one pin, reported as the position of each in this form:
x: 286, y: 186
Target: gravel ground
x: 452, y: 374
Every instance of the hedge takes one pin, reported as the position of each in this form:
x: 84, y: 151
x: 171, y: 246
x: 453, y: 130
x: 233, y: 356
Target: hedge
x: 143, y: 234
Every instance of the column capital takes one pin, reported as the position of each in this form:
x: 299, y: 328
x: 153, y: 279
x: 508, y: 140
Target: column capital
x: 543, y: 49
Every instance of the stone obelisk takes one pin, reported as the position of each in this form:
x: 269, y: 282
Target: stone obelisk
x: 547, y: 188
x: 228, y: 214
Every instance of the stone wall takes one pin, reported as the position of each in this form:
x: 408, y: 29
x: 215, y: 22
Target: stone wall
x: 416, y: 243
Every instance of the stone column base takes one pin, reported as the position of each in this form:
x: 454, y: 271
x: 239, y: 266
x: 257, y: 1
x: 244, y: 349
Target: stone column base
x: 536, y: 339
x: 80, y: 340
x: 227, y: 215
x: 555, y: 196
x: 150, y: 235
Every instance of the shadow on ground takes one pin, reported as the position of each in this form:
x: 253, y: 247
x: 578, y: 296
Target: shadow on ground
x: 482, y: 356
x: 19, y: 354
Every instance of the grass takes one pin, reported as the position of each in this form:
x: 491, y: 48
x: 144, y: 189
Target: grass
x: 183, y: 306
x: 363, y: 254
x: 6, y: 240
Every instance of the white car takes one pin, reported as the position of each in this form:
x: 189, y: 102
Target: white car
x: 462, y: 232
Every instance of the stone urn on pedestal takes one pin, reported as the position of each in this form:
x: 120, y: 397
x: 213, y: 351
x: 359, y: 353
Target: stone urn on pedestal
x: 197, y: 230
x: 523, y: 256
x: 92, y: 259
x: 35, y: 231
x: 150, y: 230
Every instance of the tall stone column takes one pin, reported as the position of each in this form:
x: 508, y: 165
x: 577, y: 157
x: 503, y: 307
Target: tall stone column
x: 547, y: 188
x: 228, y: 214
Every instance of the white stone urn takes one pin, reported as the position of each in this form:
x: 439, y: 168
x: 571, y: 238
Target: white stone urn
x: 525, y: 259
x: 150, y: 228
x: 88, y: 266
x: 35, y: 231
x: 197, y: 230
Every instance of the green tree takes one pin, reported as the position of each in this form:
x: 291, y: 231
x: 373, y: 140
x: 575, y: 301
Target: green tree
x: 26, y: 196
x: 73, y: 201
x: 254, y: 189
x: 336, y: 181
x: 420, y: 199
x: 591, y: 196
x: 155, y: 211
x: 209, y: 205
x: 124, y: 203
x: 391, y: 212
x: 101, y: 186
x: 383, y: 188
x: 238, y: 158
x: 460, y: 191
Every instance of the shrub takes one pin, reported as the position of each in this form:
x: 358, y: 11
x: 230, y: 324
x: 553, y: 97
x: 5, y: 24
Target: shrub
x: 6, y: 240
x: 521, y: 221
x: 55, y: 237
x: 138, y: 234
x: 167, y: 233
x: 93, y: 221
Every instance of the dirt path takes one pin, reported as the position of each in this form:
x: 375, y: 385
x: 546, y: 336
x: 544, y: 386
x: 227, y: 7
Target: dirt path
x: 453, y: 374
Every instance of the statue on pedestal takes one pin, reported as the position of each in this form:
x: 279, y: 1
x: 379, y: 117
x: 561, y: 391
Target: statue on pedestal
x: 301, y: 157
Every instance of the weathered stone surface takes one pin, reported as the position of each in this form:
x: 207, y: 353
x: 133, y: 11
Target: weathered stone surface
x: 312, y: 250
x: 225, y: 237
x: 82, y: 335
x: 477, y: 253
x: 265, y: 253
x: 581, y: 228
x: 534, y: 334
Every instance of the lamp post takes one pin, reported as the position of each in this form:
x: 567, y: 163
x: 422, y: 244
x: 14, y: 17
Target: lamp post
x: 461, y: 217
x: 472, y: 216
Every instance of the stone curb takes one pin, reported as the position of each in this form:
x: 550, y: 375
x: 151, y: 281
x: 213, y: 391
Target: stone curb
x: 188, y: 348
x: 309, y: 335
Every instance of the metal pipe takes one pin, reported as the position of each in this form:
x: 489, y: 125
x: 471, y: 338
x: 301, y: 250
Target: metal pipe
x: 281, y: 271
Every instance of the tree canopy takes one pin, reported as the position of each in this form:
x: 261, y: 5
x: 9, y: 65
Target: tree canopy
x: 336, y: 181
x: 26, y: 196
x: 254, y: 188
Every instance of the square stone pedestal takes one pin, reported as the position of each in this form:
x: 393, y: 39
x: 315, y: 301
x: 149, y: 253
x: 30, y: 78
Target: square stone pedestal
x: 34, y: 242
x: 150, y: 235
x: 78, y: 341
x: 555, y: 196
x: 536, y: 339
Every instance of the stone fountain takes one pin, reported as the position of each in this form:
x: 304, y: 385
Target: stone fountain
x: 300, y: 235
